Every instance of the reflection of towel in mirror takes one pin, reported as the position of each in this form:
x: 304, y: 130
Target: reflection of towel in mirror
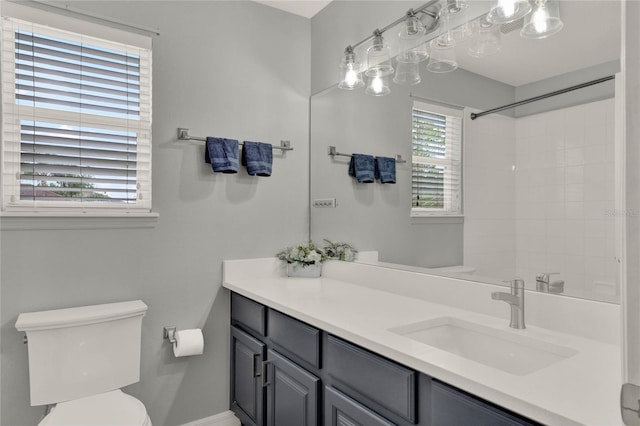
x: 362, y: 168
x: 222, y: 154
x: 386, y: 169
x: 258, y: 157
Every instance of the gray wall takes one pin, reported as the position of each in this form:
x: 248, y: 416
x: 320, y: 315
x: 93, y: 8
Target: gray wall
x: 234, y: 69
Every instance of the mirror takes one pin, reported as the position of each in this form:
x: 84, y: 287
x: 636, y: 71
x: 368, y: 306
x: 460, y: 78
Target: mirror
x: 538, y: 180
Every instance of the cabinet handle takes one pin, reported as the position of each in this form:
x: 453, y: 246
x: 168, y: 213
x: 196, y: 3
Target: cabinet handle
x: 255, y: 370
x: 265, y: 366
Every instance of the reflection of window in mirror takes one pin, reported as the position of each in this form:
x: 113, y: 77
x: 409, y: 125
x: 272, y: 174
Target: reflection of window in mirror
x: 436, y: 176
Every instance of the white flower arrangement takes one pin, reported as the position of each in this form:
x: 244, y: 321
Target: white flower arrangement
x: 340, y: 251
x: 310, y: 254
x: 304, y: 254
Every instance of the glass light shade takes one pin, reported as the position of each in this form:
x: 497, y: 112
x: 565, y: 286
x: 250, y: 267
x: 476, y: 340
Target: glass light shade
x: 488, y: 40
x: 407, y: 73
x: 544, y: 21
x: 378, y: 85
x: 462, y: 33
x: 411, y: 29
x: 443, y: 57
x: 446, y: 38
x: 504, y: 11
x: 350, y: 73
x: 457, y: 6
x: 379, y: 59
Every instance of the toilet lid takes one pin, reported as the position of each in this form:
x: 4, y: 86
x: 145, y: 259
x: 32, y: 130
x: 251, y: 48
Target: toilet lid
x: 105, y: 409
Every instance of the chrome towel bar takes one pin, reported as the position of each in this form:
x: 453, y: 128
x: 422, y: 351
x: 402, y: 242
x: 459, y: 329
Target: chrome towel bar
x: 183, y: 135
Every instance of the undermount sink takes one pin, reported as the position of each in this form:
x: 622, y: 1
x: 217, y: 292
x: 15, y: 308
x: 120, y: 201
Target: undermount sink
x: 506, y: 351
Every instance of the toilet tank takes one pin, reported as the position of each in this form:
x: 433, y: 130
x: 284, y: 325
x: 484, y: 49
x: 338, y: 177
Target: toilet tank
x: 83, y: 351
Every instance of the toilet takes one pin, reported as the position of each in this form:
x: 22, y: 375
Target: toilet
x: 79, y: 358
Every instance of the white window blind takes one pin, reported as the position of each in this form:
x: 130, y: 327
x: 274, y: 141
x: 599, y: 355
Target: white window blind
x: 76, y: 121
x: 436, y: 160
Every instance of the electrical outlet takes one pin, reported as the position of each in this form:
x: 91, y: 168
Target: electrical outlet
x: 325, y: 203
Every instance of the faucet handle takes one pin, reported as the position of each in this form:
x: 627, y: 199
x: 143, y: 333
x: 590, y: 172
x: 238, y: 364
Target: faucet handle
x: 545, y: 276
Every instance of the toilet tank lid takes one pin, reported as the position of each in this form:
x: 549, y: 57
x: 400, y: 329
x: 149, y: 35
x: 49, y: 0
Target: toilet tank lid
x: 83, y: 315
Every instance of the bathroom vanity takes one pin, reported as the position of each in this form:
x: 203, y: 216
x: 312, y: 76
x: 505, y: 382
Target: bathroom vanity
x: 333, y: 351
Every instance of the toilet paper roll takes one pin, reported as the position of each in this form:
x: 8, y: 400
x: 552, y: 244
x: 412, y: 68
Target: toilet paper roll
x: 188, y: 342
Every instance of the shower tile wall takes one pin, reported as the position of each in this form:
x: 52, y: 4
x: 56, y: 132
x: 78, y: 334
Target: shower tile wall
x: 489, y: 196
x: 565, y: 197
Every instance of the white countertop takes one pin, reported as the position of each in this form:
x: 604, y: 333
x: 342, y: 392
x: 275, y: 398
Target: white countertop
x: 582, y: 389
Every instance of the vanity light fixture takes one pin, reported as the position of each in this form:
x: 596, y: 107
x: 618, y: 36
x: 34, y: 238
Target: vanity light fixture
x: 544, y: 21
x: 504, y: 11
x: 415, y: 46
x: 413, y: 50
x: 350, y: 71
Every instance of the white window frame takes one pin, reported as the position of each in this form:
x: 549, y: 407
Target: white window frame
x: 15, y: 16
x: 452, y: 161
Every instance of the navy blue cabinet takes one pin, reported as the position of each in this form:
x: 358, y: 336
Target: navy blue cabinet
x: 247, y: 394
x: 280, y: 366
x: 340, y: 410
x: 453, y: 407
x: 292, y: 393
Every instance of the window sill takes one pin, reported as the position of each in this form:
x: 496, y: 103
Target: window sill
x: 23, y: 221
x: 426, y: 220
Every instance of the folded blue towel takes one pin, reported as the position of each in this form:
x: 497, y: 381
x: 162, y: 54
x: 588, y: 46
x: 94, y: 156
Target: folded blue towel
x: 258, y: 157
x: 386, y: 169
x: 222, y: 154
x: 362, y: 168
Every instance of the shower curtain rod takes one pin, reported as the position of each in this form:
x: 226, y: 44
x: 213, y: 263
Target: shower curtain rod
x: 545, y: 96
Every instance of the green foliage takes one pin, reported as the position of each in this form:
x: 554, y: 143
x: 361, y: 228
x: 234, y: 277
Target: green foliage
x: 310, y: 254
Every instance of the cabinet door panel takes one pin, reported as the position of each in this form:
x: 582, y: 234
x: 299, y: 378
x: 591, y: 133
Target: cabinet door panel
x: 372, y: 379
x: 248, y: 314
x: 292, y: 393
x: 300, y: 339
x: 453, y: 407
x: 340, y: 410
x: 247, y: 395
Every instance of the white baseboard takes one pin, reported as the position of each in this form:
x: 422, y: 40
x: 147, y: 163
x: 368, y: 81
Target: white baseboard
x: 226, y: 418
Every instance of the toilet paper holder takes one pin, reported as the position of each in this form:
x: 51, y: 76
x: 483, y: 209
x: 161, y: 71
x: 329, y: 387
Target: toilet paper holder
x: 170, y: 334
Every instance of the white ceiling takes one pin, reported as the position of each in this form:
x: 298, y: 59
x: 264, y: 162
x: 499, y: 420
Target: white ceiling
x: 590, y: 36
x: 306, y: 8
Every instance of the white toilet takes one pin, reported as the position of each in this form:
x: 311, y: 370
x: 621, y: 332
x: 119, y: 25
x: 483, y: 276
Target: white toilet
x: 79, y: 358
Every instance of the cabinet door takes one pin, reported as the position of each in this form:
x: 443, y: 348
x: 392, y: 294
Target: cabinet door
x: 247, y: 394
x: 292, y: 393
x: 340, y: 410
x: 450, y: 406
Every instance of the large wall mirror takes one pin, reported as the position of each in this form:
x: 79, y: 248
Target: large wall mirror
x: 538, y: 181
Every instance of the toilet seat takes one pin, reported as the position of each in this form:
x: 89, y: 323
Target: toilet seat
x: 114, y: 408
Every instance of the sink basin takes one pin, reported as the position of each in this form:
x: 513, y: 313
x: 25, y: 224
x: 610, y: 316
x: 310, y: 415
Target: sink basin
x: 516, y: 354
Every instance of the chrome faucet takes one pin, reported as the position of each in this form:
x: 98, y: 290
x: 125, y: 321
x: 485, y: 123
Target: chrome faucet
x: 544, y: 284
x: 515, y: 299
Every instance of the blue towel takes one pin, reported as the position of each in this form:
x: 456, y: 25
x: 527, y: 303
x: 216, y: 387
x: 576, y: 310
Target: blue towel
x: 222, y: 154
x: 386, y: 169
x: 258, y: 157
x: 362, y: 168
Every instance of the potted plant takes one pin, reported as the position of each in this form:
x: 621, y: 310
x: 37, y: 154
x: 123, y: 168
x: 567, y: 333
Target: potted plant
x: 340, y: 251
x: 305, y: 260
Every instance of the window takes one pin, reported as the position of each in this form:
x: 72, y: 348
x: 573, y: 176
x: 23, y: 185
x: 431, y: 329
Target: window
x: 76, y: 114
x: 436, y: 161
